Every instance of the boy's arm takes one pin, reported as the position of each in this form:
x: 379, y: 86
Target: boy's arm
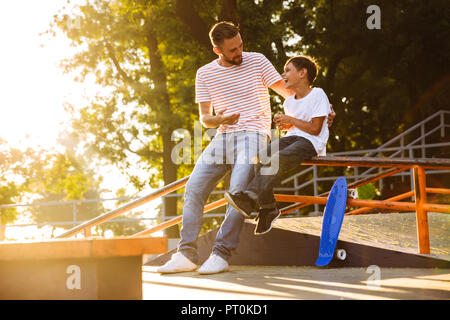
x: 279, y: 88
x: 285, y: 122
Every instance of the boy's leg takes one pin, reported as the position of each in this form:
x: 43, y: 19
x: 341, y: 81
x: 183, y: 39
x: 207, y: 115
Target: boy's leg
x: 247, y: 202
x: 293, y: 150
x: 289, y: 156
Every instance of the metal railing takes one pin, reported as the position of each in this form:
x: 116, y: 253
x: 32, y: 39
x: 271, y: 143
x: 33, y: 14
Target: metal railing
x: 86, y: 226
x: 417, y: 144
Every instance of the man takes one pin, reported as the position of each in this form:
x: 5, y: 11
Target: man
x: 235, y: 86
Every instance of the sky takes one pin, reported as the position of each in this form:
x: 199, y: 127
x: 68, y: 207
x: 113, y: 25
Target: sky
x: 33, y: 89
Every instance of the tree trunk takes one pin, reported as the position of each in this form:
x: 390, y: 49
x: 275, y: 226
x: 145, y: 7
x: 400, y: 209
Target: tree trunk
x: 228, y: 11
x: 185, y: 11
x: 165, y: 111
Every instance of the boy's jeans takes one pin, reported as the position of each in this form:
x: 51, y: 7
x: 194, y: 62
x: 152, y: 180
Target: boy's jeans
x: 237, y: 151
x: 290, y: 152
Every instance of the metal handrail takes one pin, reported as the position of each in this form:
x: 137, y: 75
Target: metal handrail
x: 383, y: 148
x: 418, y: 125
x: 125, y: 208
x: 178, y: 219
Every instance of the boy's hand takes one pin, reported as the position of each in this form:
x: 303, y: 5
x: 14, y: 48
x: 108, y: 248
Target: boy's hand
x: 283, y: 121
x: 331, y: 116
x: 228, y: 119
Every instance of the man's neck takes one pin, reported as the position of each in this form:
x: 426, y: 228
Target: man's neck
x: 224, y: 63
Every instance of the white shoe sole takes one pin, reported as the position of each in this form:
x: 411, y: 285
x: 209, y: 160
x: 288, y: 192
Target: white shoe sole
x: 212, y: 272
x: 270, y: 228
x: 175, y: 270
x: 234, y: 205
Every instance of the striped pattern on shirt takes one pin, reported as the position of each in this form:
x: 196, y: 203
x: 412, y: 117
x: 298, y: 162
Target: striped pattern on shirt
x: 239, y: 89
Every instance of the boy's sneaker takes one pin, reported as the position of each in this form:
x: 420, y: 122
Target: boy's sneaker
x: 242, y: 203
x: 177, y: 263
x: 265, y: 219
x: 214, y: 264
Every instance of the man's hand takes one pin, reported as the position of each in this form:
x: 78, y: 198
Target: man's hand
x: 331, y: 116
x: 283, y: 121
x: 228, y: 119
x: 210, y: 121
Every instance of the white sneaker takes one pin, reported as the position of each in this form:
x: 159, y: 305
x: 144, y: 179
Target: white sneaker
x: 177, y: 263
x: 214, y: 264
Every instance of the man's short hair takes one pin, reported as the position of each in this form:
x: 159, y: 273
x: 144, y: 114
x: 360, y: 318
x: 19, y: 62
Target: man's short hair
x: 306, y: 62
x: 221, y: 31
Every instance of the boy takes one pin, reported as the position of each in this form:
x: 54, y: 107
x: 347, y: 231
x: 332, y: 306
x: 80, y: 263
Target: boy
x: 307, y: 134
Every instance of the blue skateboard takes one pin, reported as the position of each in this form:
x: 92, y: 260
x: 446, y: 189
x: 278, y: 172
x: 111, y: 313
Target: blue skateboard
x: 332, y: 222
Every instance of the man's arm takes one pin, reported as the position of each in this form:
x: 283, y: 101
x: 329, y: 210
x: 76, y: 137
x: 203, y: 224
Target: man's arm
x: 213, y: 121
x: 279, y: 88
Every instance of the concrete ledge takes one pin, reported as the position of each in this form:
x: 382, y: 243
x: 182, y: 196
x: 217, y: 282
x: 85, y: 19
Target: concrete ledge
x: 75, y: 269
x: 82, y: 248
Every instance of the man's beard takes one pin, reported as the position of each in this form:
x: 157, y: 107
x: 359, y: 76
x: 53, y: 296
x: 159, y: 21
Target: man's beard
x: 235, y: 61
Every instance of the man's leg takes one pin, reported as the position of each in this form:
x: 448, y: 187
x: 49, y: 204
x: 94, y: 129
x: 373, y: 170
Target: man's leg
x: 209, y: 169
x: 245, y: 147
x: 203, y: 179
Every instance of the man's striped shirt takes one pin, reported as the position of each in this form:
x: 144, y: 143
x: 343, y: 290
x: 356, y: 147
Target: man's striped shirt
x: 239, y: 89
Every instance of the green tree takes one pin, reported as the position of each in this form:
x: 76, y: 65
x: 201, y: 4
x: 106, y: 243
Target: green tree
x: 11, y: 160
x: 146, y: 53
x: 58, y: 177
x: 380, y: 81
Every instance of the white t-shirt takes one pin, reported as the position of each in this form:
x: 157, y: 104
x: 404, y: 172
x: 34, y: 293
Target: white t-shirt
x: 239, y: 89
x: 314, y: 104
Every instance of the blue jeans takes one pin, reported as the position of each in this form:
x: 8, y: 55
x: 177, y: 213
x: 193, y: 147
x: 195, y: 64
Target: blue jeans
x: 289, y: 152
x: 236, y: 151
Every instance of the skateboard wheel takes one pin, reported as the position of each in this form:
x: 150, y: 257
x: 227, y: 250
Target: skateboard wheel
x: 353, y: 193
x: 341, y: 254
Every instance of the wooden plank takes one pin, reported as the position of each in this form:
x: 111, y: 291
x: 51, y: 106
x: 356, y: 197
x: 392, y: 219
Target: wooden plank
x: 379, y: 162
x: 81, y: 248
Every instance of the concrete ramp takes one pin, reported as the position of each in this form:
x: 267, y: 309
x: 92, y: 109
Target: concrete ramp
x: 385, y: 240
